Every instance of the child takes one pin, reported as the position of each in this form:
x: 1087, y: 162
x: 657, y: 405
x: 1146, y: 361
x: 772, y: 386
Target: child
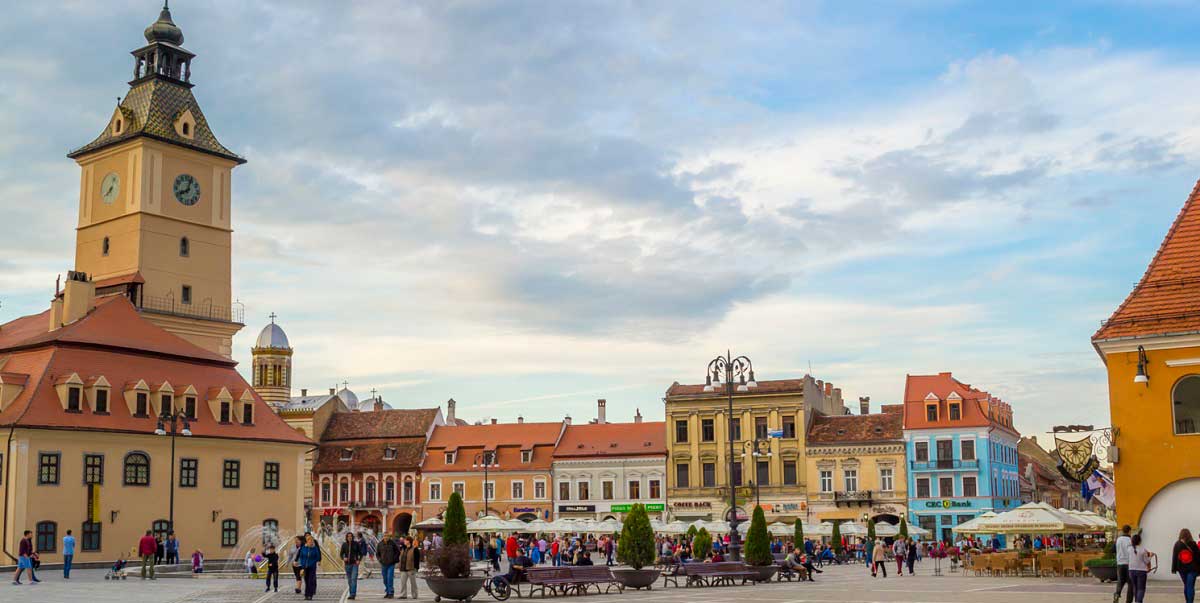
x: 197, y: 562
x: 272, y: 567
x: 250, y: 569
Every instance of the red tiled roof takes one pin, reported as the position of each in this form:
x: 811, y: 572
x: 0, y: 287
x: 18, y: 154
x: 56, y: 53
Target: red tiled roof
x: 856, y: 429
x: 777, y: 386
x: 1167, y: 299
x: 975, y: 402
x: 369, y: 455
x: 613, y: 439
x: 124, y: 279
x: 387, y: 424
x: 507, y: 439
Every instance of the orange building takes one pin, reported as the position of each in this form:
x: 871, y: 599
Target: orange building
x: 1151, y: 348
x: 517, y: 458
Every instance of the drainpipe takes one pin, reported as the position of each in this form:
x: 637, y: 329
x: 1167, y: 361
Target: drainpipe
x: 7, y: 476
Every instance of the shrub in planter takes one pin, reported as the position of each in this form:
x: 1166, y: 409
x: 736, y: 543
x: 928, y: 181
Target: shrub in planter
x: 758, y: 543
x: 636, y: 549
x: 798, y: 535
x: 702, y: 545
x: 691, y: 533
x: 448, y: 569
x: 455, y: 520
x: 837, y: 538
x: 903, y: 528
x: 450, y: 561
x: 871, y: 532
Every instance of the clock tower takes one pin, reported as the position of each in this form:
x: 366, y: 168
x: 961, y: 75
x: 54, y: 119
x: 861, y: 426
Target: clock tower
x: 154, y: 200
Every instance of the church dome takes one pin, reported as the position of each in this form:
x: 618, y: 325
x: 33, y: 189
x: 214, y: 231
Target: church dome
x: 164, y: 29
x: 272, y: 337
x: 348, y: 397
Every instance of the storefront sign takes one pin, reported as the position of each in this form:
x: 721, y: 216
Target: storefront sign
x: 782, y: 508
x: 885, y: 509
x: 576, y: 508
x: 691, y: 504
x: 620, y: 508
x: 332, y: 512
x: 524, y: 510
x: 947, y: 504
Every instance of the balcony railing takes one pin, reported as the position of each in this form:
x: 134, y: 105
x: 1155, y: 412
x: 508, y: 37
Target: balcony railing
x: 205, y: 310
x: 943, y: 464
x: 862, y: 497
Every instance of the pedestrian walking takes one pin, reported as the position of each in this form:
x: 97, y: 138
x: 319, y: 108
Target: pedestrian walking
x: 1140, y: 562
x: 68, y: 554
x: 272, y: 567
x: 351, y: 555
x: 388, y: 554
x: 147, y: 547
x: 878, y: 554
x: 1185, y: 561
x: 1124, y: 543
x: 912, y: 555
x: 197, y: 562
x: 410, y: 562
x: 309, y: 557
x: 294, y: 561
x: 25, y: 559
x: 172, y: 546
x: 900, y: 550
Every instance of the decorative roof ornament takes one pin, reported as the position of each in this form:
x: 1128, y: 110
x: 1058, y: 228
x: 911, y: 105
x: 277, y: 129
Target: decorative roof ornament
x: 164, y: 29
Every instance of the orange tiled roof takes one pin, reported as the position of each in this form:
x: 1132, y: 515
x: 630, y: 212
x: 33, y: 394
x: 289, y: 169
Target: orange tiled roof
x: 613, y: 439
x: 942, y: 385
x: 856, y: 429
x: 1167, y: 299
x: 507, y: 439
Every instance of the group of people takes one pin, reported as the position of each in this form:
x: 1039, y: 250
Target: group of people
x: 1135, y: 563
x: 556, y: 550
x: 903, y: 550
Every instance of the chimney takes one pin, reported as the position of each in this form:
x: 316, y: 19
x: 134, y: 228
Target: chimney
x: 77, y: 295
x: 638, y: 417
x: 600, y: 404
x: 378, y: 403
x: 450, y: 404
x: 828, y: 389
x: 493, y: 421
x: 864, y: 405
x: 837, y: 396
x: 520, y: 419
x: 567, y: 420
x: 820, y: 386
x: 303, y: 392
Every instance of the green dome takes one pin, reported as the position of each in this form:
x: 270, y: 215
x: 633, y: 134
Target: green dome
x: 164, y: 29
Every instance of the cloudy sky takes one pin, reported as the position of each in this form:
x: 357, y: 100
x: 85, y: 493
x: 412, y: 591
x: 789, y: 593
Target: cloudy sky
x: 530, y: 205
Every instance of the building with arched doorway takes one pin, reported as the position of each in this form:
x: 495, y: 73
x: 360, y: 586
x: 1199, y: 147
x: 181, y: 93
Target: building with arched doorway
x: 1151, y: 349
x: 857, y: 465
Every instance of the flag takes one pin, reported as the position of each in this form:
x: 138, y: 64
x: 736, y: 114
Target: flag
x: 1101, y: 488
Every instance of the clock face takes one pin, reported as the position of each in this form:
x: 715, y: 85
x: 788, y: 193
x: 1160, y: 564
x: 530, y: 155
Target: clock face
x: 110, y: 187
x: 187, y: 189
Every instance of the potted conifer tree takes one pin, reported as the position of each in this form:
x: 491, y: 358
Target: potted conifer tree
x: 448, y: 569
x: 798, y: 535
x: 758, y: 547
x: 702, y: 545
x: 636, y: 549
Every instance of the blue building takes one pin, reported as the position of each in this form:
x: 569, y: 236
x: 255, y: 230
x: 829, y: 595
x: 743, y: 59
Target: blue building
x: 962, y: 453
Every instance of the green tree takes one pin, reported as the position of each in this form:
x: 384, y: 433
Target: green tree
x: 758, y: 543
x: 691, y: 533
x: 636, y: 546
x: 837, y: 538
x: 798, y: 537
x: 903, y: 528
x: 455, y: 520
x: 702, y: 545
x: 871, y: 531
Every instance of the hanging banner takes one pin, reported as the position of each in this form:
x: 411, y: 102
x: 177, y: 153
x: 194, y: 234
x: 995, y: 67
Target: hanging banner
x: 93, y: 507
x: 1076, y: 460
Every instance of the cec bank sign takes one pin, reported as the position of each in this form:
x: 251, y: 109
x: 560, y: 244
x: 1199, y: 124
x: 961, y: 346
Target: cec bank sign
x: 947, y: 504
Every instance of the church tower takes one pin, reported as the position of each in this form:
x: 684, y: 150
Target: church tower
x: 154, y: 200
x: 272, y: 360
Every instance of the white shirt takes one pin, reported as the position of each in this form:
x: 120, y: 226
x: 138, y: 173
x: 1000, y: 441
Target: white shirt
x: 1124, y: 549
x: 1139, y: 559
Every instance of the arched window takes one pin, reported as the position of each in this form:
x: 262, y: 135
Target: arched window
x: 47, y: 536
x: 270, y: 532
x: 184, y: 247
x: 1185, y: 400
x: 104, y: 246
x: 160, y: 528
x: 137, y: 469
x: 229, y: 533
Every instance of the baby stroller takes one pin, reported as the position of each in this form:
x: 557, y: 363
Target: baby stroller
x: 117, y: 571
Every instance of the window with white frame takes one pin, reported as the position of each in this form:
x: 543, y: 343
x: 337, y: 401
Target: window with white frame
x: 584, y: 490
x: 449, y: 458
x: 967, y: 450
x: 850, y: 479
x: 969, y: 486
x: 489, y: 490
x: 435, y: 491
x: 886, y: 479
x: 606, y: 489
x: 460, y: 488
x: 526, y: 456
x: 826, y: 480
x: 539, y: 489
x: 922, y: 487
x: 518, y: 490
x: 564, y: 490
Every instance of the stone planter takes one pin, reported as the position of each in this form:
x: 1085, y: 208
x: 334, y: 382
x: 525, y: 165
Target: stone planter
x: 1104, y: 573
x: 765, y: 572
x: 637, y: 579
x: 456, y: 589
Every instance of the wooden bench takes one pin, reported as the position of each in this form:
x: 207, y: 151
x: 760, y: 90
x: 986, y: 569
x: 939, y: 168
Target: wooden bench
x: 717, y: 574
x: 570, y: 579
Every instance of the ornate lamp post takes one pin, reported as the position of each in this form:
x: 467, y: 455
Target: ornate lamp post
x: 758, y: 448
x: 485, y: 460
x: 176, y: 419
x: 732, y: 372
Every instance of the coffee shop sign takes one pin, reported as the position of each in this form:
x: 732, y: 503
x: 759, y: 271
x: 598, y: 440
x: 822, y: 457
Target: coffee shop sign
x: 691, y: 504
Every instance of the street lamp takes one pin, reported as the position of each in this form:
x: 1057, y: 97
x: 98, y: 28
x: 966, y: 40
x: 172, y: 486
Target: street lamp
x: 758, y: 448
x: 176, y: 419
x: 732, y: 372
x: 485, y: 460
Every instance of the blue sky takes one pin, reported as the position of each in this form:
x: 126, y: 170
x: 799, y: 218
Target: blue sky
x: 530, y: 205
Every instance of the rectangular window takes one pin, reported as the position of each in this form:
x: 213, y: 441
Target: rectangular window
x: 435, y: 491
x: 73, y: 395
x: 708, y: 472
x: 91, y: 536
x: 518, y: 490
x: 526, y: 456
x: 921, y: 451
x: 655, y: 489
x: 489, y: 490
x: 229, y: 533
x: 343, y: 492
x: 967, y: 449
x: 185, y: 295
x: 48, y: 464
x: 736, y: 429
x: 564, y: 490
x: 224, y: 412
x: 760, y: 428
x: 969, y: 486
x: 606, y: 490
x: 737, y: 473
x: 166, y: 403
x: 248, y: 413
x: 47, y: 537
x: 189, y: 407
x: 826, y: 481
x: 964, y: 519
x: 93, y: 469
x: 789, y: 473
x: 945, y: 487
x: 931, y: 413
x: 460, y: 488
x: 539, y: 489
x: 389, y: 492
x: 923, y: 487
x: 326, y: 493
x: 681, y: 431
x: 887, y: 481
x: 945, y: 452
x: 141, y: 405
x: 681, y: 475
x: 635, y: 490
x: 271, y: 476
x: 231, y: 476
x: 928, y: 523
x: 449, y: 458
x: 955, y: 412
x: 101, y: 401
x: 789, y: 426
x: 850, y: 479
x: 762, y: 473
x: 584, y: 490
x: 189, y: 470
x: 708, y: 433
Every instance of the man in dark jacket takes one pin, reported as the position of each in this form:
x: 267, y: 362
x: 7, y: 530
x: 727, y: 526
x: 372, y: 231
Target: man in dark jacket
x: 410, y: 562
x: 351, y: 554
x: 388, y: 553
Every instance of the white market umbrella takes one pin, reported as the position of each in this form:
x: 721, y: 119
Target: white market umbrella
x: 971, y: 526
x: 884, y: 529
x: 1033, y: 518
x: 608, y: 526
x: 676, y: 528
x: 822, y: 529
x: 716, y: 527
x: 780, y: 529
x: 538, y: 526
x: 850, y: 528
x: 918, y: 532
x: 432, y: 522
x: 489, y: 523
x: 658, y: 526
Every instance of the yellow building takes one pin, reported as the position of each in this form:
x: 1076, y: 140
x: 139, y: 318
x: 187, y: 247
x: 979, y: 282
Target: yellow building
x: 92, y: 389
x: 698, y: 447
x: 857, y: 466
x: 1151, y: 348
